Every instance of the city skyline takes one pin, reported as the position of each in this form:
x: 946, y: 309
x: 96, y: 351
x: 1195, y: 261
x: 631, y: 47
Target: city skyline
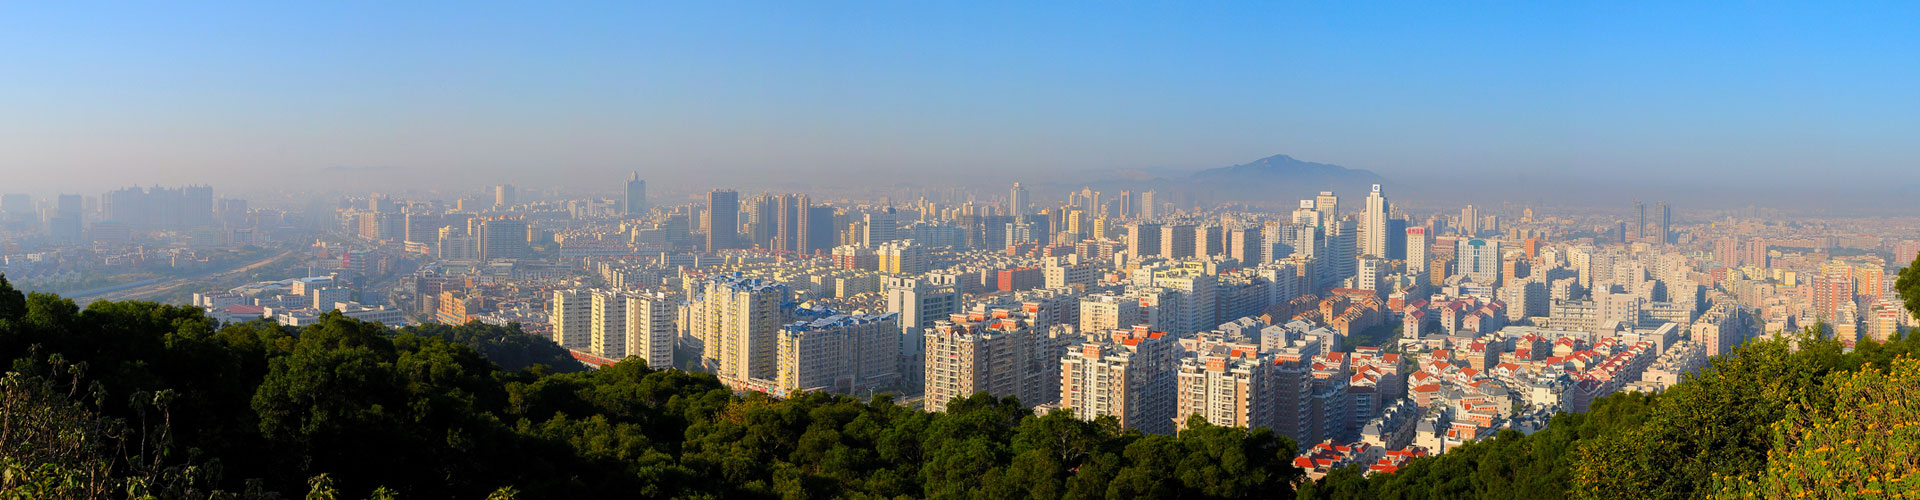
x: 924, y: 250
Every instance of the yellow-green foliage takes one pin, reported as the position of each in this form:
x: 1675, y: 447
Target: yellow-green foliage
x: 1861, y: 445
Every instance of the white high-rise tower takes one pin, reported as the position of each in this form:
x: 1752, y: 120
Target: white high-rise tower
x: 1373, y: 230
x: 1017, y: 201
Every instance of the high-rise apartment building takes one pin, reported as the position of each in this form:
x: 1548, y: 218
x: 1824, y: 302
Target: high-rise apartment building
x: 1177, y: 241
x: 1905, y: 252
x: 734, y: 322
x: 850, y: 354
x: 64, y: 225
x: 1143, y: 239
x: 723, y: 219
x: 998, y: 352
x: 761, y: 213
x: 504, y: 196
x: 422, y: 227
x: 818, y: 235
x: 1103, y: 313
x: 570, y: 318
x: 1340, y: 260
x: 1131, y: 376
x: 1227, y: 385
x: 1416, y: 249
x: 651, y: 326
x: 608, y: 337
x: 1193, y: 289
x: 1247, y: 245
x: 1469, y: 222
x: 159, y: 209
x: 1757, y: 253
x: 919, y: 302
x: 1832, y: 291
x: 881, y: 227
x: 793, y: 224
x: 502, y: 238
x: 902, y: 257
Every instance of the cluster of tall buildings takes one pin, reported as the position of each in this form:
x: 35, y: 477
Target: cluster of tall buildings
x: 1359, y: 330
x: 160, y: 209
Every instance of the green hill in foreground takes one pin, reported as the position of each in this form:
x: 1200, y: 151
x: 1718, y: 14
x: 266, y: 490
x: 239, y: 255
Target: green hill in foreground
x: 139, y: 400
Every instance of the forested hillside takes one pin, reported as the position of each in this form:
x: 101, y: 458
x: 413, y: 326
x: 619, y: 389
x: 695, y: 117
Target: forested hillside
x: 143, y: 400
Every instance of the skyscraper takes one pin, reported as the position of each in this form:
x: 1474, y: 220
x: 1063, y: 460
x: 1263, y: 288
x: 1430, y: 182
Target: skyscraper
x: 1148, y: 206
x: 1639, y: 219
x: 1662, y: 223
x: 1017, y: 201
x: 1396, y: 239
x: 503, y: 196
x: 1469, y: 222
x: 791, y: 223
x: 1328, y: 205
x: 636, y: 195
x: 817, y: 231
x: 1373, y: 225
x: 723, y: 219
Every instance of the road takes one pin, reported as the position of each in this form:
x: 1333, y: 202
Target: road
x: 139, y: 291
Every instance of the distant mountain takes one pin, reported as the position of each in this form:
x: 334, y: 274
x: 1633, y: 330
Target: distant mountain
x: 1274, y: 180
x: 1280, y: 177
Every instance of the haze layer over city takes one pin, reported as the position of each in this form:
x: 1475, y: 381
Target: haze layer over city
x: 760, y: 250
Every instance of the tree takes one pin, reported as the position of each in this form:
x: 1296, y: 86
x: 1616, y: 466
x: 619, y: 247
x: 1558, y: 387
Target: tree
x: 1865, y: 444
x: 1909, y: 287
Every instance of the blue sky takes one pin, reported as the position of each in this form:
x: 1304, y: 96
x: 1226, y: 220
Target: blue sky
x: 1740, y: 95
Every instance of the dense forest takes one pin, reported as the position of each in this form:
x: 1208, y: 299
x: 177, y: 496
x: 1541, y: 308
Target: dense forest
x: 141, y: 400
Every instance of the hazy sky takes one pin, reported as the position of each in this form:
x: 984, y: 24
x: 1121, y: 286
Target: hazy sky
x: 94, y: 95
